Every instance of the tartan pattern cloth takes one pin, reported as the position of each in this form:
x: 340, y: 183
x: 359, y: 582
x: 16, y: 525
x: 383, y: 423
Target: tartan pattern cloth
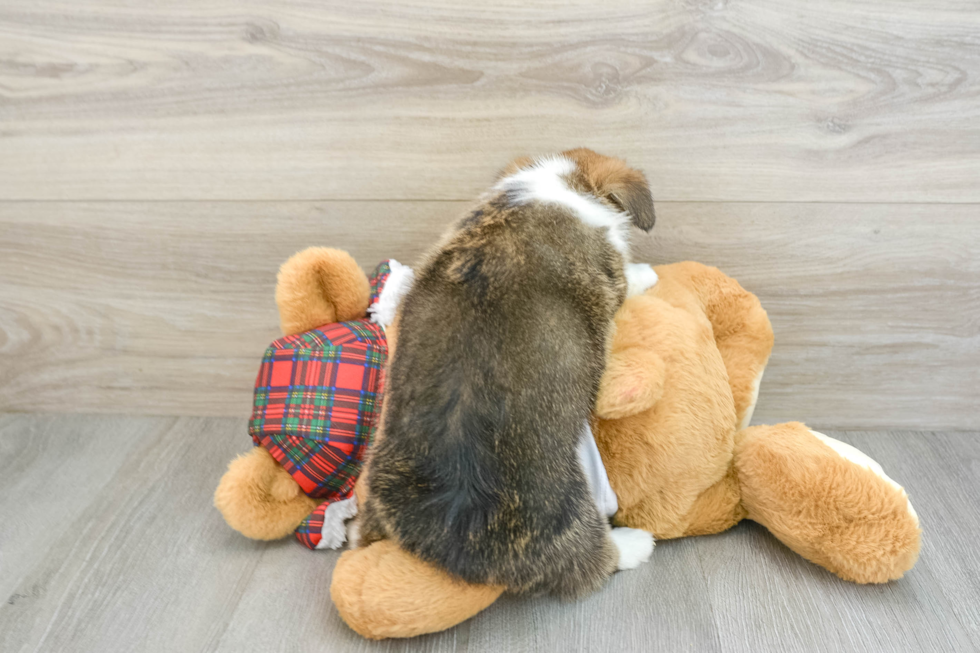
x: 378, y: 280
x: 317, y: 402
x: 308, y: 532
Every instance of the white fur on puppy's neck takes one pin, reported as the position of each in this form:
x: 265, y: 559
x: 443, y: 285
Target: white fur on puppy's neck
x: 544, y: 181
x: 399, y: 283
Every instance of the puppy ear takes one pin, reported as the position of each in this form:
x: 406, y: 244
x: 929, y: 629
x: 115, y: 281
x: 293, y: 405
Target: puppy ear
x: 514, y: 166
x: 612, y: 179
x: 631, y: 194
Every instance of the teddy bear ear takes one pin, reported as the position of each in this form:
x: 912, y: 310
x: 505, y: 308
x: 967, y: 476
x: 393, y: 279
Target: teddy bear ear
x: 320, y: 285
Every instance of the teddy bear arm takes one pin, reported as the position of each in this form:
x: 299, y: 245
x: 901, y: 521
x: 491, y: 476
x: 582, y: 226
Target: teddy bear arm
x: 320, y: 285
x: 827, y: 501
x: 633, y: 382
x: 259, y: 499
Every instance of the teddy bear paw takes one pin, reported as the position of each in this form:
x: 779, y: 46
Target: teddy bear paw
x: 635, y: 546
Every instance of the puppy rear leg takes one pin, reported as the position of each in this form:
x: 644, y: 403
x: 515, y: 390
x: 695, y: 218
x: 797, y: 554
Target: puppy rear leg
x: 634, y: 546
x: 587, y: 564
x: 367, y: 528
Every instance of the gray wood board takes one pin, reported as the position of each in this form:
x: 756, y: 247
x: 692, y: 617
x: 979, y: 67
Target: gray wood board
x: 116, y: 547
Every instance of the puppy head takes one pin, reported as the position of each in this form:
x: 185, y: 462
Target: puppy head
x: 604, y: 177
x: 611, y: 179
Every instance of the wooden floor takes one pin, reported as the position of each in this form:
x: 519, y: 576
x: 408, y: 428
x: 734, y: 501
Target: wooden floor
x: 110, y: 544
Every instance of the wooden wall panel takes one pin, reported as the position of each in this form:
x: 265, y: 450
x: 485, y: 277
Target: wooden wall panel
x: 165, y: 307
x: 776, y: 100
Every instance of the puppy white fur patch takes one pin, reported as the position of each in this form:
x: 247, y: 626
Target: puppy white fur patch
x: 544, y: 182
x: 640, y: 277
x: 635, y: 546
x: 747, y: 419
x: 399, y: 282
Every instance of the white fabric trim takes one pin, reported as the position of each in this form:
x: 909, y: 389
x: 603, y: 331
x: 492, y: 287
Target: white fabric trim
x: 544, y: 181
x: 595, y: 472
x: 399, y: 282
x: 333, y: 534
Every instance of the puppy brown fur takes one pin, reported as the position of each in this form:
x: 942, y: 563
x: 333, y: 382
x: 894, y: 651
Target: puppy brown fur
x: 501, y: 345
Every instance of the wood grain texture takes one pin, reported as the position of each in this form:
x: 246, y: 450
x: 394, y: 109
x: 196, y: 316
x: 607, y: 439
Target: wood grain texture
x: 950, y: 553
x: 777, y: 100
x: 147, y: 564
x: 875, y: 308
x: 139, y: 560
x: 48, y: 475
x: 165, y: 307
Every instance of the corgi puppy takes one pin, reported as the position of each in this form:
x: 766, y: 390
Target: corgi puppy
x: 501, y: 345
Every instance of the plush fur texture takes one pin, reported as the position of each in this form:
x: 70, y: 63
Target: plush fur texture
x: 259, y: 499
x: 320, y: 285
x: 831, y: 511
x: 380, y: 609
x: 680, y: 468
x: 502, y: 344
x: 664, y: 455
x: 671, y: 457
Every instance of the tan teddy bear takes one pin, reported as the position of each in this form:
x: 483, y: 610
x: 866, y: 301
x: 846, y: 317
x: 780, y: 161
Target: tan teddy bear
x: 670, y: 424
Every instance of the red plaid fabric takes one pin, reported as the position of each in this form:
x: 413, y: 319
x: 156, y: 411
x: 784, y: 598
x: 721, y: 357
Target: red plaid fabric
x: 378, y: 280
x: 310, y: 531
x: 317, y: 402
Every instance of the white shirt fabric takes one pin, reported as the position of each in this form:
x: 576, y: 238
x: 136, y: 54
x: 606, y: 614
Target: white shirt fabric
x: 595, y: 472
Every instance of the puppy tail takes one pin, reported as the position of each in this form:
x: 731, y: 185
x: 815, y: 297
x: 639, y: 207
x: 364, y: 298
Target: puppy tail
x: 462, y: 501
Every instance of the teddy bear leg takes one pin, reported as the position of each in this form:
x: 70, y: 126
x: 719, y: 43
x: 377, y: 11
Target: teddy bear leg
x: 717, y: 509
x: 383, y: 591
x: 320, y: 285
x: 259, y: 499
x: 827, y: 501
